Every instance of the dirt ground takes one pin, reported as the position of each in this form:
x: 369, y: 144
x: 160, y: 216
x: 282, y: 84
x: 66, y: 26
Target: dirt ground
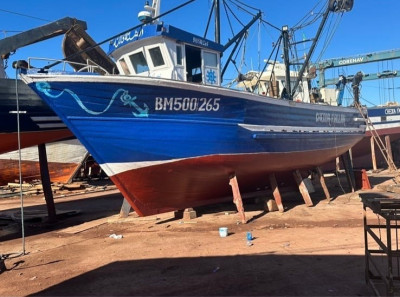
x: 305, y: 251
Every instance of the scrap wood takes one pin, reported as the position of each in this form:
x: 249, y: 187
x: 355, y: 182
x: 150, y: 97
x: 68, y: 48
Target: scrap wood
x: 17, y: 185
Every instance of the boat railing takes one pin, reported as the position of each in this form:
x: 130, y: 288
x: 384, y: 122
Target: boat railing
x: 66, y: 66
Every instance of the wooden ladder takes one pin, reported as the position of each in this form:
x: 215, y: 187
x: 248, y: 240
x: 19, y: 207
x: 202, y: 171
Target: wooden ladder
x: 382, y: 147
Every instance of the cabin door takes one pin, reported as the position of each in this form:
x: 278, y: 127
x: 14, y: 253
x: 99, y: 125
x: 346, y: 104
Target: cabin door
x: 211, y: 72
x: 179, y: 73
x: 193, y: 64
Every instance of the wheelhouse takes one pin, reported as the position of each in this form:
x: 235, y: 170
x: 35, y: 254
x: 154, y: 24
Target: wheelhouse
x: 158, y: 50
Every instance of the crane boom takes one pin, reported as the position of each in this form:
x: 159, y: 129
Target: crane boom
x: 354, y: 60
x: 12, y: 43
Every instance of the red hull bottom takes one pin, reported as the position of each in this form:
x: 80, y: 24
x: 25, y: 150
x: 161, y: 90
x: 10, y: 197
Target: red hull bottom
x: 202, y: 181
x: 9, y: 141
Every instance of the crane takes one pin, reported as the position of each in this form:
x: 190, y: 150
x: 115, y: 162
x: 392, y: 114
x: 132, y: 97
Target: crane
x: 356, y: 79
x: 354, y: 60
x: 78, y: 46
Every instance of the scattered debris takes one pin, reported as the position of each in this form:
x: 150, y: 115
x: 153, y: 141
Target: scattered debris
x: 35, y: 188
x: 115, y: 236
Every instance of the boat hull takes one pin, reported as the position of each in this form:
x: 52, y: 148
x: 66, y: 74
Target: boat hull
x: 37, y: 122
x: 169, y: 145
x: 64, y: 158
x: 386, y: 122
x: 205, y: 180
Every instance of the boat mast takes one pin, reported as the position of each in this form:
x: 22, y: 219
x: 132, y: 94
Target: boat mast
x: 217, y: 22
x: 333, y: 6
x: 310, y: 52
x: 285, y: 37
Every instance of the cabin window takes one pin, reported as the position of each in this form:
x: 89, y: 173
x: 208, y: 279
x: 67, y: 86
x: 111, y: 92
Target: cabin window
x: 156, y: 56
x: 124, y: 66
x: 139, y: 62
x: 179, y: 55
x: 210, y: 59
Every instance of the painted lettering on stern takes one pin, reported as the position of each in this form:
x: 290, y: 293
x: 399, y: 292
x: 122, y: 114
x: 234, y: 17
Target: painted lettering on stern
x: 392, y: 110
x: 187, y: 104
x: 330, y: 118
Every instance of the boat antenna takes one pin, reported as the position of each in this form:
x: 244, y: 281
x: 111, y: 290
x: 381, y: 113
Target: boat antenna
x: 333, y: 6
x: 149, y: 12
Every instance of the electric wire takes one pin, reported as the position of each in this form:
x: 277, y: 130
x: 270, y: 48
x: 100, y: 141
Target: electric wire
x: 24, y: 15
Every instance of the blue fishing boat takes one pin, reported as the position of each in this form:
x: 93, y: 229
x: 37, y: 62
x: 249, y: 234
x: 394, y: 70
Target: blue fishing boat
x: 171, y: 137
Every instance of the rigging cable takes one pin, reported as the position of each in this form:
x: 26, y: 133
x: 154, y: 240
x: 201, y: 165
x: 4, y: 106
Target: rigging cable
x: 330, y: 35
x: 228, y: 18
x: 310, y: 18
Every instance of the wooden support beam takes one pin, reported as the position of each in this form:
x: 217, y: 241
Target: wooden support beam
x: 237, y: 198
x: 373, y: 155
x: 348, y: 166
x: 275, y: 192
x: 323, y: 184
x: 389, y: 153
x: 337, y: 164
x: 302, y: 188
x: 45, y: 177
x: 125, y: 209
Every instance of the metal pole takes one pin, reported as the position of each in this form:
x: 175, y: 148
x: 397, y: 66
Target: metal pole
x: 310, y: 52
x: 217, y: 22
x: 285, y: 37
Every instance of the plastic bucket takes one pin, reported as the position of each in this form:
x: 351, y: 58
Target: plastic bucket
x: 223, y: 232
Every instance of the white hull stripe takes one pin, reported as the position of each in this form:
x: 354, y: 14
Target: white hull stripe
x: 46, y: 119
x: 115, y: 168
x: 389, y: 118
x: 54, y: 125
x: 286, y: 129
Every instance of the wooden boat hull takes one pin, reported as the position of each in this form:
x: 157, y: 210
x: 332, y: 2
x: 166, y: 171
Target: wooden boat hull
x: 169, y: 145
x: 205, y: 180
x: 64, y: 159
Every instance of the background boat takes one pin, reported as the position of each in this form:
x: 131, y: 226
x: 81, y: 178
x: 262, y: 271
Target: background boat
x: 37, y: 122
x: 384, y: 115
x: 27, y: 121
x: 64, y: 158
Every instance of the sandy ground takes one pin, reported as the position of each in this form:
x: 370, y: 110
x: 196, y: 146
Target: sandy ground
x: 305, y: 251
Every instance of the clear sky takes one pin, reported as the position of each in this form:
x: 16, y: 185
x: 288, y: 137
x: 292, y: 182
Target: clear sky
x: 372, y: 26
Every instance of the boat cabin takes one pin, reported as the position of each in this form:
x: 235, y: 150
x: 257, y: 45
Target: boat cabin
x: 272, y: 82
x: 158, y: 50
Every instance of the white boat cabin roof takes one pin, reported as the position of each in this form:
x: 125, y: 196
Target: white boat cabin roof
x: 164, y: 51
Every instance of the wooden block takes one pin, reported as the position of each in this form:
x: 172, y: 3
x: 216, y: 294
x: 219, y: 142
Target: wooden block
x: 271, y: 205
x: 189, y: 214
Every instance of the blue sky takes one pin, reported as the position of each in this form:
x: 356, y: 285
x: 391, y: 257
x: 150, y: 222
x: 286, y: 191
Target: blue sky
x: 372, y: 26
